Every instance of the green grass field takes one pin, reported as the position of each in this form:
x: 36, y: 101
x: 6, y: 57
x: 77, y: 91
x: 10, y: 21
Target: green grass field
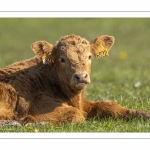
x: 124, y: 76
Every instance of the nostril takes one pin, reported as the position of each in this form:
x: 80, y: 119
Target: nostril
x: 77, y: 77
x: 85, y: 75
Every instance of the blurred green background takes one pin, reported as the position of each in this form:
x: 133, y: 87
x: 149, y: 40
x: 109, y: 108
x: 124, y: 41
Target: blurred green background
x: 115, y: 77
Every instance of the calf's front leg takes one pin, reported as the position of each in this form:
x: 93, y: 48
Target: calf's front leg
x: 107, y: 108
x: 59, y: 115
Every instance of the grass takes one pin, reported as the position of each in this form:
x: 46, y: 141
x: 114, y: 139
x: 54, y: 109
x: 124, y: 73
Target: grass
x: 91, y: 126
x: 124, y: 76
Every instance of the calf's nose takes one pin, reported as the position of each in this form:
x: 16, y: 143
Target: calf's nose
x: 81, y: 77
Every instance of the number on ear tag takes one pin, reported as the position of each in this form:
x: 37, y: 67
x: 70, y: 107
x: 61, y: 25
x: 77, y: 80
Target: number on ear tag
x: 101, y: 51
x: 46, y: 58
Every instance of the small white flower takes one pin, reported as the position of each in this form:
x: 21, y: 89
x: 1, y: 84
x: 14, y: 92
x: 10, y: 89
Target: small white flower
x: 137, y: 84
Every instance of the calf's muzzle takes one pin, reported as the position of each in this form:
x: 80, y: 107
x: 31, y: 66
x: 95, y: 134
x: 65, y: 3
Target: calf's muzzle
x: 81, y: 77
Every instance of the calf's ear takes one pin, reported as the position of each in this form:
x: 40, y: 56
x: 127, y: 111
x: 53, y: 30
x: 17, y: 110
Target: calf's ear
x: 43, y: 50
x: 101, y: 45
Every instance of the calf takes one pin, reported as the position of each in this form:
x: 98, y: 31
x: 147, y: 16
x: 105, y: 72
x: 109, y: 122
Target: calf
x: 51, y: 86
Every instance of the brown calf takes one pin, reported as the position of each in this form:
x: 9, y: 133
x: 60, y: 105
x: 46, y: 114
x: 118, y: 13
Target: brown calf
x: 50, y: 87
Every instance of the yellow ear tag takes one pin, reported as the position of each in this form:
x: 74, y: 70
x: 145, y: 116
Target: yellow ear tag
x: 101, y: 51
x: 44, y: 57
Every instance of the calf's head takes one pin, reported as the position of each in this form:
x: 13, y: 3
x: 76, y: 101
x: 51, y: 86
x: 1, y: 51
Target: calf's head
x: 72, y: 55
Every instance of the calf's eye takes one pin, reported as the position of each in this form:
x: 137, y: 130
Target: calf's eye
x: 89, y: 57
x: 62, y: 60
